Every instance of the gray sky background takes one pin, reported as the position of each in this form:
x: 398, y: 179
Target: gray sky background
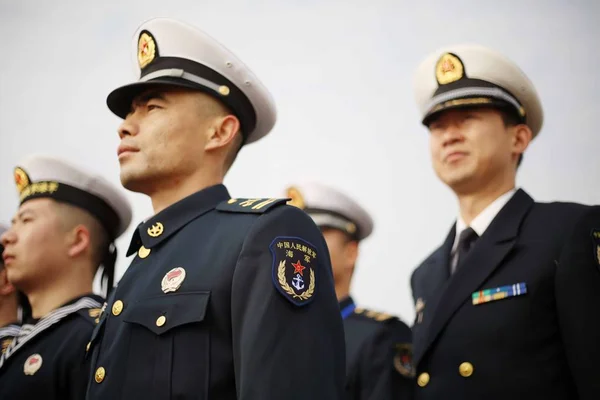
x: 341, y: 73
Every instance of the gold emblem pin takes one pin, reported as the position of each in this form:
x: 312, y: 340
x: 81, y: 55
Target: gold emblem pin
x: 32, y: 364
x: 172, y: 280
x: 156, y: 230
x: 296, y: 198
x: 448, y: 69
x: 146, y: 49
x: 143, y: 252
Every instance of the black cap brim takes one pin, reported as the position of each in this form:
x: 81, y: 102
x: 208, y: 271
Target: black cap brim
x: 119, y: 100
x: 462, y: 103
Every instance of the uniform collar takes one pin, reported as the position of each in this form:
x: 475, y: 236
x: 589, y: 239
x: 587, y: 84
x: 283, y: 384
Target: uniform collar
x: 481, y: 222
x: 346, y: 302
x: 164, y: 224
x: 32, y: 321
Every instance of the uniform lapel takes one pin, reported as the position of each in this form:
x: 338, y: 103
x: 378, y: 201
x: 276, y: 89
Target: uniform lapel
x: 485, y: 257
x: 437, y: 273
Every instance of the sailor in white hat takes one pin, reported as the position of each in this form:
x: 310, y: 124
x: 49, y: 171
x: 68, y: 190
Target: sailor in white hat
x: 378, y: 345
x: 233, y: 289
x: 492, y: 304
x: 170, y: 54
x: 64, y: 229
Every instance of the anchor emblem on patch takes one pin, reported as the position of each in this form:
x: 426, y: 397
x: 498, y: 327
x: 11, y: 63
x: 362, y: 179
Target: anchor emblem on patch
x: 298, y: 280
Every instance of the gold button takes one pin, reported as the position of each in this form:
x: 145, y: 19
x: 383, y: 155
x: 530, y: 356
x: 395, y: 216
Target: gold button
x: 117, y: 307
x: 423, y: 379
x: 143, y: 252
x: 160, y: 321
x: 87, y: 348
x: 100, y: 374
x: 466, y: 369
x: 224, y: 90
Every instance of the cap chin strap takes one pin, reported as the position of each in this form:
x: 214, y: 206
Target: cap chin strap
x: 496, y: 93
x: 180, y: 74
x: 333, y: 221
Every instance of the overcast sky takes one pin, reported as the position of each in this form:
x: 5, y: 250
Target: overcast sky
x: 341, y: 73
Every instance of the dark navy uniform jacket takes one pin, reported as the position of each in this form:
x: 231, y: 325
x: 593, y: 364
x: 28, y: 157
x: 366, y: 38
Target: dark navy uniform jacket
x: 519, y: 318
x: 378, y: 355
x: 46, y: 358
x: 225, y: 299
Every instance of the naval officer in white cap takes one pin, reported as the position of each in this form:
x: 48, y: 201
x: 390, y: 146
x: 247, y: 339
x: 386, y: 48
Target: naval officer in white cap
x: 64, y: 229
x: 378, y: 345
x: 497, y: 315
x: 226, y: 298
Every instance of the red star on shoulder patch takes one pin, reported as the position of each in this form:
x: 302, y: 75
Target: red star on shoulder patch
x: 298, y: 268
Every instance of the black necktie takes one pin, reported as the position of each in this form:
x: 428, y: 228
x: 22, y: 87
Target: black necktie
x: 466, y: 240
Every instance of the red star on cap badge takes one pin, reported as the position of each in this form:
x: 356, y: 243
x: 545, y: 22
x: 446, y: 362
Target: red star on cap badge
x: 298, y: 268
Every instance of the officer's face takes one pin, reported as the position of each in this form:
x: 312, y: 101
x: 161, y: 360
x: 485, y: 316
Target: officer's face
x: 34, y: 245
x: 343, y: 252
x: 163, y: 139
x: 471, y: 148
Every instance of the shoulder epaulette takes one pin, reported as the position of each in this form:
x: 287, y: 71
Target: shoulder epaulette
x: 251, y: 206
x: 374, y: 315
x: 90, y: 314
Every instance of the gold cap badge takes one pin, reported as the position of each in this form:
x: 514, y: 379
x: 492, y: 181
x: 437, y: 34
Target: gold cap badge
x: 146, y: 49
x: 296, y: 198
x: 21, y: 179
x: 449, y: 69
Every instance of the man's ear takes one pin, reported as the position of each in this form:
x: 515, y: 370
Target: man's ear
x: 351, y: 252
x: 222, y: 132
x: 521, y: 138
x: 79, y: 240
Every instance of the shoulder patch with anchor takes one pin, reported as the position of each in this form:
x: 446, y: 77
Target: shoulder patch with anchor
x: 375, y: 315
x: 294, y: 263
x: 250, y: 206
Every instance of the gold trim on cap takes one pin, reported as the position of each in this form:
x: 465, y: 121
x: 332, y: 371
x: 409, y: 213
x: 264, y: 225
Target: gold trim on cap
x: 448, y: 69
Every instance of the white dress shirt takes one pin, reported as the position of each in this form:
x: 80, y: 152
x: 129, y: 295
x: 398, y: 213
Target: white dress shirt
x: 480, y: 223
